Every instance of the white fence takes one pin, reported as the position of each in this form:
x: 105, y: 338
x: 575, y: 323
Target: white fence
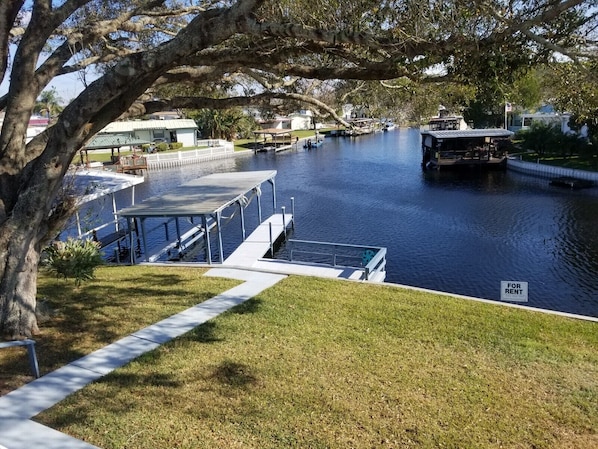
x: 549, y: 171
x: 215, y: 149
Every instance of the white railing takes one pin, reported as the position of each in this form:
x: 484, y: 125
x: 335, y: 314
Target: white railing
x: 549, y: 171
x: 214, y: 149
x: 372, y: 260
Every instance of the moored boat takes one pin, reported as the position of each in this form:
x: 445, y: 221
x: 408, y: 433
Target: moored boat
x: 389, y: 126
x: 313, y: 144
x: 454, y: 149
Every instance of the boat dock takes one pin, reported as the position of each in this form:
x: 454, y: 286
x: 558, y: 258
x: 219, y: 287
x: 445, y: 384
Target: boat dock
x: 261, y: 242
x: 307, y: 258
x: 195, y: 208
x: 198, y: 205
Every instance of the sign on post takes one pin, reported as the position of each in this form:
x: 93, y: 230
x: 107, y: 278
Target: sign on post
x: 513, y: 291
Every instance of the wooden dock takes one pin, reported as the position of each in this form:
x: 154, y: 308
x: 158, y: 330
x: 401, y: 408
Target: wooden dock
x: 257, y: 245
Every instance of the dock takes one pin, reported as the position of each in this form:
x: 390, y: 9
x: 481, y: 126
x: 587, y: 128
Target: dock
x: 200, y: 202
x: 328, y: 260
x: 261, y: 241
x: 195, y: 208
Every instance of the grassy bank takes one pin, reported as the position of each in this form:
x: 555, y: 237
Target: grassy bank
x: 575, y: 162
x: 324, y: 363
x: 76, y: 321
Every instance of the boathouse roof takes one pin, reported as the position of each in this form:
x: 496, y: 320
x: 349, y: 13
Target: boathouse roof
x: 89, y: 185
x: 202, y: 196
x: 468, y: 133
x: 107, y: 141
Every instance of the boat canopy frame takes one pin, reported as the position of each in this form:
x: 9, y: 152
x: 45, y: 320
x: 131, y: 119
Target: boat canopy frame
x: 205, y: 197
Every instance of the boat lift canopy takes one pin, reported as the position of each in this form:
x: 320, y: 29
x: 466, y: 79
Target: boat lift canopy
x: 204, y: 197
x: 90, y: 185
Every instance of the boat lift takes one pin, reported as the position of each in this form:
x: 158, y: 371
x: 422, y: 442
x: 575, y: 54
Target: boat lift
x: 203, y: 198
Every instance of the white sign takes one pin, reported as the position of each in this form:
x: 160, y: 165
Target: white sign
x: 513, y: 291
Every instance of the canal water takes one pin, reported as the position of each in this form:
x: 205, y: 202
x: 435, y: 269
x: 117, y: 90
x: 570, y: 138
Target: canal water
x: 459, y: 233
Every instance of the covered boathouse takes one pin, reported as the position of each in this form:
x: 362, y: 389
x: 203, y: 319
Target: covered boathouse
x: 465, y: 148
x: 197, y: 205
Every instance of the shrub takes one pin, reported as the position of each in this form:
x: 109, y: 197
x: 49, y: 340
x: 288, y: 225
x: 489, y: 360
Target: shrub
x: 176, y: 145
x: 163, y: 146
x: 76, y: 259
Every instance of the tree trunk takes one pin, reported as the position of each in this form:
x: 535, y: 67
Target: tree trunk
x: 18, y: 264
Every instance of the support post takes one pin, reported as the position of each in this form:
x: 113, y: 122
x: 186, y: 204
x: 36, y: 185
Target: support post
x: 259, y: 208
x: 273, y: 182
x: 271, y: 242
x: 242, y: 214
x: 114, y: 212
x: 206, y: 236
x: 219, y: 228
x: 178, y: 234
x: 33, y: 359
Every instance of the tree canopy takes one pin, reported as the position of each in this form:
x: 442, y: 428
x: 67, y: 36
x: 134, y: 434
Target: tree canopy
x: 255, y: 51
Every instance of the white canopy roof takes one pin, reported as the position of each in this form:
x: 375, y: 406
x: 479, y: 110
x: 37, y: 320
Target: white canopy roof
x: 202, y: 196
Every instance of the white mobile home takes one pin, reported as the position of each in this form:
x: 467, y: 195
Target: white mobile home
x: 178, y: 130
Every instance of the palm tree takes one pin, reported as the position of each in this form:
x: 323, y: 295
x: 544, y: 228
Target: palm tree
x: 48, y: 103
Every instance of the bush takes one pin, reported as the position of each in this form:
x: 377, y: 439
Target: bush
x: 176, y: 145
x: 76, y: 259
x: 163, y: 146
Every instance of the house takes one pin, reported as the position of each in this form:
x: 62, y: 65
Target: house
x: 545, y: 115
x: 302, y: 120
x: 276, y: 123
x: 165, y: 115
x: 36, y: 125
x: 178, y: 130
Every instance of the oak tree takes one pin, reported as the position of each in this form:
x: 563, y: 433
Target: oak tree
x: 269, y: 48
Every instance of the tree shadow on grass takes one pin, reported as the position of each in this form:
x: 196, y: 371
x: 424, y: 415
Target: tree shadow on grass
x: 100, y: 312
x: 233, y: 374
x: 206, y: 333
x: 114, y: 404
x: 250, y: 306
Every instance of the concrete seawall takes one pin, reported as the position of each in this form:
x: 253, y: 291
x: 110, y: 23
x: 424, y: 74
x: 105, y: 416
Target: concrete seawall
x: 549, y: 171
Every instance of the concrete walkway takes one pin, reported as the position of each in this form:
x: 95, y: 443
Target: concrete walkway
x: 17, y: 431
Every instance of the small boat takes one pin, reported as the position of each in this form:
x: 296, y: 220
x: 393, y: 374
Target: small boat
x: 389, y: 126
x: 309, y: 144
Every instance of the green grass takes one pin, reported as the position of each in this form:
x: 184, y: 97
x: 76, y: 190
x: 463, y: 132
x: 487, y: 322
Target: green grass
x: 119, y: 301
x: 575, y: 162
x: 313, y: 363
x: 240, y: 145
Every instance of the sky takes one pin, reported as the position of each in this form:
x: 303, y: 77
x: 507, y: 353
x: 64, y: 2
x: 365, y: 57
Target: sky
x: 67, y: 86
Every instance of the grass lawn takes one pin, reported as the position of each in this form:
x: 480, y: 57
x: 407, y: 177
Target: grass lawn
x: 240, y: 145
x: 121, y: 300
x: 575, y: 162
x: 313, y: 363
